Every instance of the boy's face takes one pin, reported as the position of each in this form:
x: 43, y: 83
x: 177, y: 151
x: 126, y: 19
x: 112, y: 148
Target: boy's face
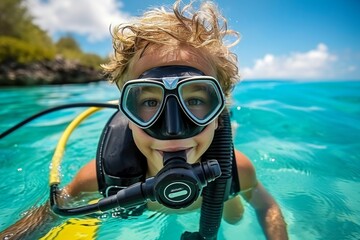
x: 194, y: 146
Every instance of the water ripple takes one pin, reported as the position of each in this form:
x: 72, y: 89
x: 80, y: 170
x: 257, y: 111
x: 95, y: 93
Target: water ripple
x: 147, y: 226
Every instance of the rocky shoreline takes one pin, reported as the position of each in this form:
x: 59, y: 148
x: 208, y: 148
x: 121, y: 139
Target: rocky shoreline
x: 58, y: 71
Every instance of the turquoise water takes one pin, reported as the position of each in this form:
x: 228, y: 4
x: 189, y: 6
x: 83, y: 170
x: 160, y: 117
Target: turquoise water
x: 303, y: 138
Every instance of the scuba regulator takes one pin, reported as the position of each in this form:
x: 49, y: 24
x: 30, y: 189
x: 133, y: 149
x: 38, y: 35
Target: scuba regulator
x: 177, y: 185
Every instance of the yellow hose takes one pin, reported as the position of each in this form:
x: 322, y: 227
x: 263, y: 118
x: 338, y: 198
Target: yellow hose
x: 60, y: 148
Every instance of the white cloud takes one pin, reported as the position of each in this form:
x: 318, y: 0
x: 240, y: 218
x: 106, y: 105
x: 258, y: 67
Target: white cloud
x: 313, y: 64
x: 90, y: 18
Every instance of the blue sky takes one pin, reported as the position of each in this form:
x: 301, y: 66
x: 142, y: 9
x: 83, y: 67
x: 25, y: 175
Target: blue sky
x: 281, y: 39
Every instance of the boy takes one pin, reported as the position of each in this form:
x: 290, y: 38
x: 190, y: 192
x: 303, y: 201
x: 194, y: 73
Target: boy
x: 183, y: 45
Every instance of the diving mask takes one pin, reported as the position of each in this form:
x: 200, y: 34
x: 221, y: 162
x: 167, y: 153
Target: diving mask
x: 172, y: 102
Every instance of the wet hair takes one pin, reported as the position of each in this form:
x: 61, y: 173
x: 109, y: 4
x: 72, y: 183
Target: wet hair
x: 204, y: 29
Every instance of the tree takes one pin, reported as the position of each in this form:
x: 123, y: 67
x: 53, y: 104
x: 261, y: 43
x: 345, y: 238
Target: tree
x: 68, y: 44
x: 14, y: 17
x: 23, y: 41
x: 20, y: 39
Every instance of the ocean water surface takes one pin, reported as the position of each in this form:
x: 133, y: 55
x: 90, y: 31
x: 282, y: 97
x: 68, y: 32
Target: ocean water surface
x: 302, y: 137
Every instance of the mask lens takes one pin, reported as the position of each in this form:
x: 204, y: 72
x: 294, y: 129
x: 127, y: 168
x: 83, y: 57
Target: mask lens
x: 201, y: 99
x: 142, y: 102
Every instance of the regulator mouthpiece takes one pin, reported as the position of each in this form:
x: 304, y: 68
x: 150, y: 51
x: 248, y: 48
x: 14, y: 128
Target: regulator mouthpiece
x: 179, y: 184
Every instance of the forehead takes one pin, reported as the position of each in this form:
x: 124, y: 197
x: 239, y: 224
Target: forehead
x: 155, y: 56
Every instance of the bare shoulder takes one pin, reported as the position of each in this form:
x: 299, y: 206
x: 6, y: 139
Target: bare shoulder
x: 84, y: 181
x: 246, y: 172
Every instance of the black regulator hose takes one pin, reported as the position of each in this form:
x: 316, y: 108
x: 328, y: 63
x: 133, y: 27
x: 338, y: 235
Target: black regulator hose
x: 57, y: 108
x: 217, y: 191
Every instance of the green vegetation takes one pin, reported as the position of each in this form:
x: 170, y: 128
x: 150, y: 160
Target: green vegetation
x: 24, y: 42
x: 69, y: 48
x: 17, y: 50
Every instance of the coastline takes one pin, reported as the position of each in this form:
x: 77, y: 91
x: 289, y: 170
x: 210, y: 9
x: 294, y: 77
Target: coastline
x: 57, y: 71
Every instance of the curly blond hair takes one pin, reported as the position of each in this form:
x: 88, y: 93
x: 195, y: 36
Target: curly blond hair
x: 204, y: 29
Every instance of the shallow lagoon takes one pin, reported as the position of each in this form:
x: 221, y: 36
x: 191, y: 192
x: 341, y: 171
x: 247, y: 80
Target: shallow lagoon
x: 303, y: 138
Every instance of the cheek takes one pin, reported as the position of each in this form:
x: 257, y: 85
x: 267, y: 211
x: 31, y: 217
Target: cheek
x: 137, y: 132
x: 210, y: 130
x: 141, y: 139
x: 205, y: 138
x: 216, y: 123
x: 131, y: 125
x: 144, y: 143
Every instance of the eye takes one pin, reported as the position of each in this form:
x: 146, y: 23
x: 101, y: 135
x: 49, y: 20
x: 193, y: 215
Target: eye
x: 150, y: 103
x: 194, y: 102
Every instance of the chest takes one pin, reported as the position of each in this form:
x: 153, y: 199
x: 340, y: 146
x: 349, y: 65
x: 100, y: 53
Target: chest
x: 155, y: 206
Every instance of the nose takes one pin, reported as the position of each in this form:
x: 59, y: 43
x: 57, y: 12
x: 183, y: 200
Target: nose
x: 173, y: 123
